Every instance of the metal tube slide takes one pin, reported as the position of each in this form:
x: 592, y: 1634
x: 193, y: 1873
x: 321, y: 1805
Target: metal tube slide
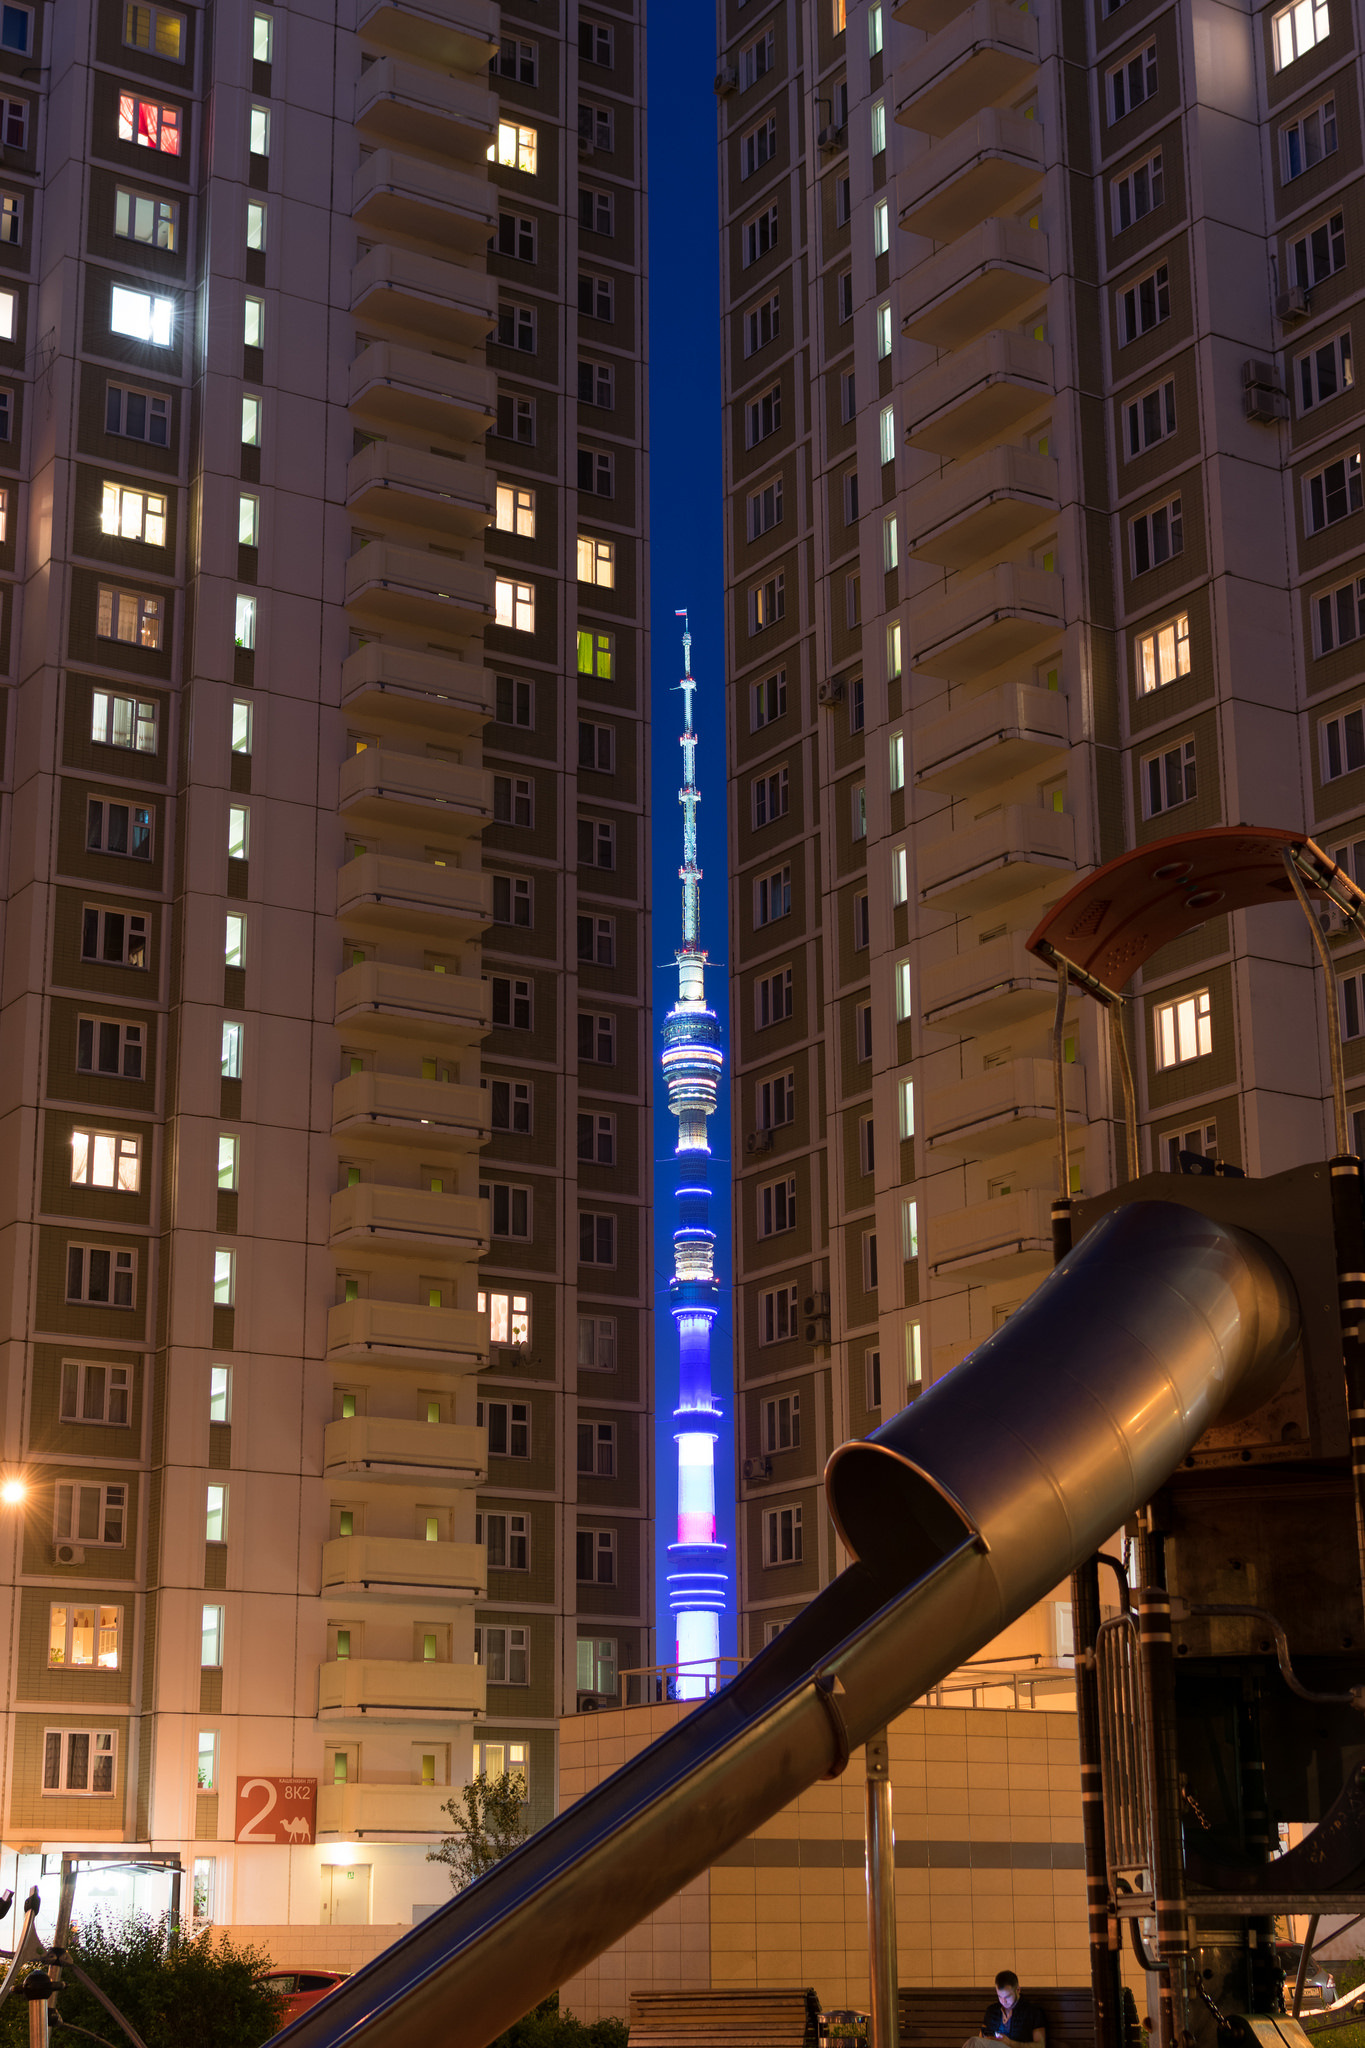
x: 960, y: 1512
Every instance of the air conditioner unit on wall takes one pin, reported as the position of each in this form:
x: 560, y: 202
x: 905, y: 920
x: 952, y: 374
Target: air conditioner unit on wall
x: 1295, y: 304
x: 68, y: 1553
x: 816, y: 1304
x: 727, y: 78
x: 759, y: 1141
x: 818, y: 1330
x: 830, y: 138
x: 1264, y: 405
x: 588, y: 1703
x: 830, y: 693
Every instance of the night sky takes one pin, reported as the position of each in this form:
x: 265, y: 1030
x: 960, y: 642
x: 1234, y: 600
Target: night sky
x: 686, y: 568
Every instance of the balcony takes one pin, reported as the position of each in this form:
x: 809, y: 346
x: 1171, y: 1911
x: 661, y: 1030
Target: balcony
x: 410, y: 1221
x: 978, y: 509
x: 380, y: 1689
x: 432, y: 693
x: 389, y: 485
x: 358, y: 1810
x: 977, y: 282
x: 389, y: 1447
x: 407, y: 1334
x: 398, y: 1106
x: 400, y: 106
x: 382, y: 893
x: 454, y: 212
x: 1007, y: 1239
x: 419, y: 792
x: 1000, y: 1109
x: 985, y: 740
x: 977, y: 394
x: 983, y: 624
x: 1014, y: 848
x: 454, y: 35
x: 928, y: 15
x: 985, y: 167
x: 987, y: 988
x: 429, y: 394
x: 418, y: 588
x: 376, y: 1001
x: 987, y: 53
x: 404, y: 1564
x: 419, y: 295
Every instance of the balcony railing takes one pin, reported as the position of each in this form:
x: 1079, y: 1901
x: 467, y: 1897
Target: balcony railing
x: 418, y: 791
x: 385, y: 1811
x: 409, y: 1220
x: 975, y: 283
x: 977, y: 394
x: 984, y: 167
x: 403, y: 107
x: 986, y: 988
x: 977, y: 510
x: 1012, y: 849
x: 442, y: 303
x: 381, y: 892
x: 1000, y: 1109
x: 403, y: 1106
x: 391, y: 1447
x: 407, y: 387
x: 387, y: 585
x: 390, y: 485
x: 988, y: 621
x: 400, y: 687
x: 928, y: 15
x: 988, y: 739
x: 380, y: 1564
x: 987, y: 53
x: 376, y: 1001
x: 453, y: 211
x: 383, y: 1689
x: 455, y: 35
x: 999, y: 1240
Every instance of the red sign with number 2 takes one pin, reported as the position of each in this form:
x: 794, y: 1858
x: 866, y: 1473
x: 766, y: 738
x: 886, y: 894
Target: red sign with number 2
x: 280, y: 1810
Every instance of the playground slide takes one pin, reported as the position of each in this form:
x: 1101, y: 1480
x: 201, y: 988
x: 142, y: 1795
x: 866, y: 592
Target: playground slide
x: 960, y: 1513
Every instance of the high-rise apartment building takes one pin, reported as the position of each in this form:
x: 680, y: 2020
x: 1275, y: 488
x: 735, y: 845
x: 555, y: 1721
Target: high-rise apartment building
x: 326, y: 1367
x: 1044, y: 533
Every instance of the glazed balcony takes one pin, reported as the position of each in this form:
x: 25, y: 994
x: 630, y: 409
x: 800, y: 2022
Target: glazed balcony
x: 987, y: 988
x: 358, y: 1810
x: 382, y: 893
x: 986, y: 54
x: 441, y: 303
x: 404, y: 1564
x: 453, y: 212
x: 977, y: 394
x: 398, y: 1106
x: 1000, y: 1110
x: 407, y: 1335
x: 388, y: 586
x: 988, y: 739
x: 403, y: 107
x: 452, y: 35
x: 419, y: 792
x: 1007, y: 1239
x: 411, y: 1222
x: 985, y: 167
x: 978, y: 509
x: 384, y: 1689
x: 377, y: 1002
x: 928, y: 15
x: 978, y: 282
x: 404, y: 689
x: 390, y: 485
x: 428, y: 394
x: 1014, y: 848
x: 992, y: 619
x: 389, y: 1447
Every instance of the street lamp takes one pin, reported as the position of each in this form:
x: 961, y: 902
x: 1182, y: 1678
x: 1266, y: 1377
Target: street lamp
x: 13, y: 1492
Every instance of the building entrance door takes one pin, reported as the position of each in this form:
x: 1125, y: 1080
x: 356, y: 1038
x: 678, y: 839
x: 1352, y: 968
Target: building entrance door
x: 346, y: 1894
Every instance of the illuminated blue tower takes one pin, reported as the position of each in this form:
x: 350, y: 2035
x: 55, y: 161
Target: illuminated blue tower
x: 692, y: 1061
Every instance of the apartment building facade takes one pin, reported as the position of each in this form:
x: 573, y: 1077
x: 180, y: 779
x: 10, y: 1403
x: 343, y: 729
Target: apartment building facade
x: 1042, y: 447
x: 293, y: 826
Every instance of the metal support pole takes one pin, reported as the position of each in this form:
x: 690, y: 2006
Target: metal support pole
x: 881, y: 1896
x: 1118, y: 1039
x: 1158, y: 1670
x: 1305, y: 1957
x: 1061, y: 1207
x: 1106, y: 1987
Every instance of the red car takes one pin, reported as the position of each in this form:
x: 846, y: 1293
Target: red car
x: 303, y: 1988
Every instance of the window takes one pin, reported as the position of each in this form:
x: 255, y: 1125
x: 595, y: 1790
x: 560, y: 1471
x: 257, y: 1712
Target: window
x: 84, y: 1638
x: 515, y: 60
x: 1332, y: 493
x: 596, y: 296
x: 224, y: 1277
x: 1202, y: 1141
x: 232, y: 1051
x: 220, y: 1393
x: 597, y: 561
x: 862, y: 1030
x: 1183, y: 1029
x: 909, y: 1230
x: 156, y: 30
x: 597, y: 1138
x: 1352, y: 1005
x: 597, y: 124
x: 1138, y: 192
x: 597, y: 1449
x: 129, y: 615
x: 515, y: 147
x: 1339, y: 615
x: 782, y: 1536
x: 597, y: 1343
x: 95, y: 1393
x: 251, y: 421
x: 777, y: 1206
x: 904, y: 992
x: 769, y: 795
x: 516, y: 511
x: 765, y: 508
x: 596, y: 747
x: 86, y: 1512
x: 118, y: 828
x: 772, y: 896
x: 772, y: 998
x: 1307, y: 140
x: 597, y: 472
x: 116, y: 937
x: 595, y: 43
x: 104, y: 1047
x: 117, y: 721
x: 775, y: 1101
x: 140, y: 218
x: 215, y: 1514
x: 234, y: 939
x: 255, y: 224
x: 79, y: 1760
x: 1156, y: 536
x: 1132, y: 82
x: 596, y: 1238
x: 862, y: 924
x: 514, y: 604
x: 1145, y: 304
x: 512, y: 900
x: 596, y: 383
x: 597, y: 940
x: 14, y: 124
x: 16, y: 29
x: 211, y: 1639
x: 596, y: 211
x: 869, y: 1262
x: 517, y: 328
x: 1163, y: 654
x: 206, y: 1774
x: 758, y: 237
x: 1298, y: 29
x: 514, y: 800
x: 767, y: 602
x: 858, y: 809
x: 510, y: 1208
x: 756, y: 59
x: 148, y: 123
x: 777, y: 1319
x: 906, y: 1102
x: 514, y: 702
x: 763, y: 416
x: 508, y: 1541
x: 143, y: 316
x: 1317, y: 254
x: 248, y: 520
x: 893, y: 650
x: 878, y: 119
x: 768, y: 700
x: 11, y: 217
x: 896, y: 749
x: 887, y: 433
x: 781, y: 1423
x: 511, y: 1106
x: 762, y: 324
x: 253, y: 323
x: 758, y: 146
x: 134, y: 515
x: 517, y: 237
x: 900, y: 875
x: 516, y: 419
x: 509, y: 1427
x: 596, y: 653
x: 596, y: 1664
x: 1324, y: 371
x: 1342, y: 743
x: 1151, y: 417
x: 597, y: 843
x: 881, y: 227
x: 512, y: 1002
x: 597, y: 1037
x: 106, y: 1159
x: 505, y: 1654
x: 874, y: 30
x: 856, y: 704
x: 509, y: 1322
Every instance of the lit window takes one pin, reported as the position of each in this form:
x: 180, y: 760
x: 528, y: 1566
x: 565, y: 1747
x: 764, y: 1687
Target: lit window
x: 893, y: 650
x: 79, y: 1760
x: 253, y: 323
x: 11, y: 217
x: 84, y: 1638
x: 1164, y: 653
x: 244, y: 621
x: 1298, y: 29
x: 888, y: 433
x: 243, y: 719
x: 884, y: 330
x: 1183, y: 1029
x: 255, y: 224
x: 134, y: 515
x: 517, y: 510
x: 224, y: 1278
x: 248, y: 520
x: 129, y: 615
x: 140, y: 218
x: 897, y: 753
x: 909, y: 1230
x: 239, y: 831
x: 906, y: 1094
x: 154, y: 29
x: 142, y: 316
x: 106, y: 1159
x: 515, y: 147
x: 206, y: 1774
x: 509, y: 1317
x: 904, y: 1008
x: 259, y: 131
x: 263, y: 38
x: 597, y: 561
x: 900, y: 874
x: 251, y: 421
x: 874, y: 31
x: 211, y: 1639
x: 228, y: 1150
x: 123, y: 721
x: 234, y: 939
x: 149, y: 124
x: 232, y: 1051
x: 881, y: 227
x: 220, y: 1393
x: 514, y: 604
x: 890, y: 542
x: 878, y: 127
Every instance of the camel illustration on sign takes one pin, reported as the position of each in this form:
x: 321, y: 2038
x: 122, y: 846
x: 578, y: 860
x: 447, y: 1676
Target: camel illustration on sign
x: 297, y: 1829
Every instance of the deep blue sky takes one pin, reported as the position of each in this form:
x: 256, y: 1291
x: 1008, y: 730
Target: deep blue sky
x: 686, y: 569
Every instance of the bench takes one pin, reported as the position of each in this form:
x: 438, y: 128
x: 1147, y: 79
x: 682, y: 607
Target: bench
x: 724, y: 2019
x: 945, y: 2017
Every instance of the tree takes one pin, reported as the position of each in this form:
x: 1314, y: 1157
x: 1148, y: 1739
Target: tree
x: 172, y: 1988
x: 491, y: 1819
x: 547, y: 2027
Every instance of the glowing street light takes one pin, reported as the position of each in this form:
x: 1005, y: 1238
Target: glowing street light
x: 13, y: 1492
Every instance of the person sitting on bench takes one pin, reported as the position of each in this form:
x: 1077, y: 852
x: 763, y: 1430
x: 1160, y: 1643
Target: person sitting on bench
x: 1012, y: 2018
